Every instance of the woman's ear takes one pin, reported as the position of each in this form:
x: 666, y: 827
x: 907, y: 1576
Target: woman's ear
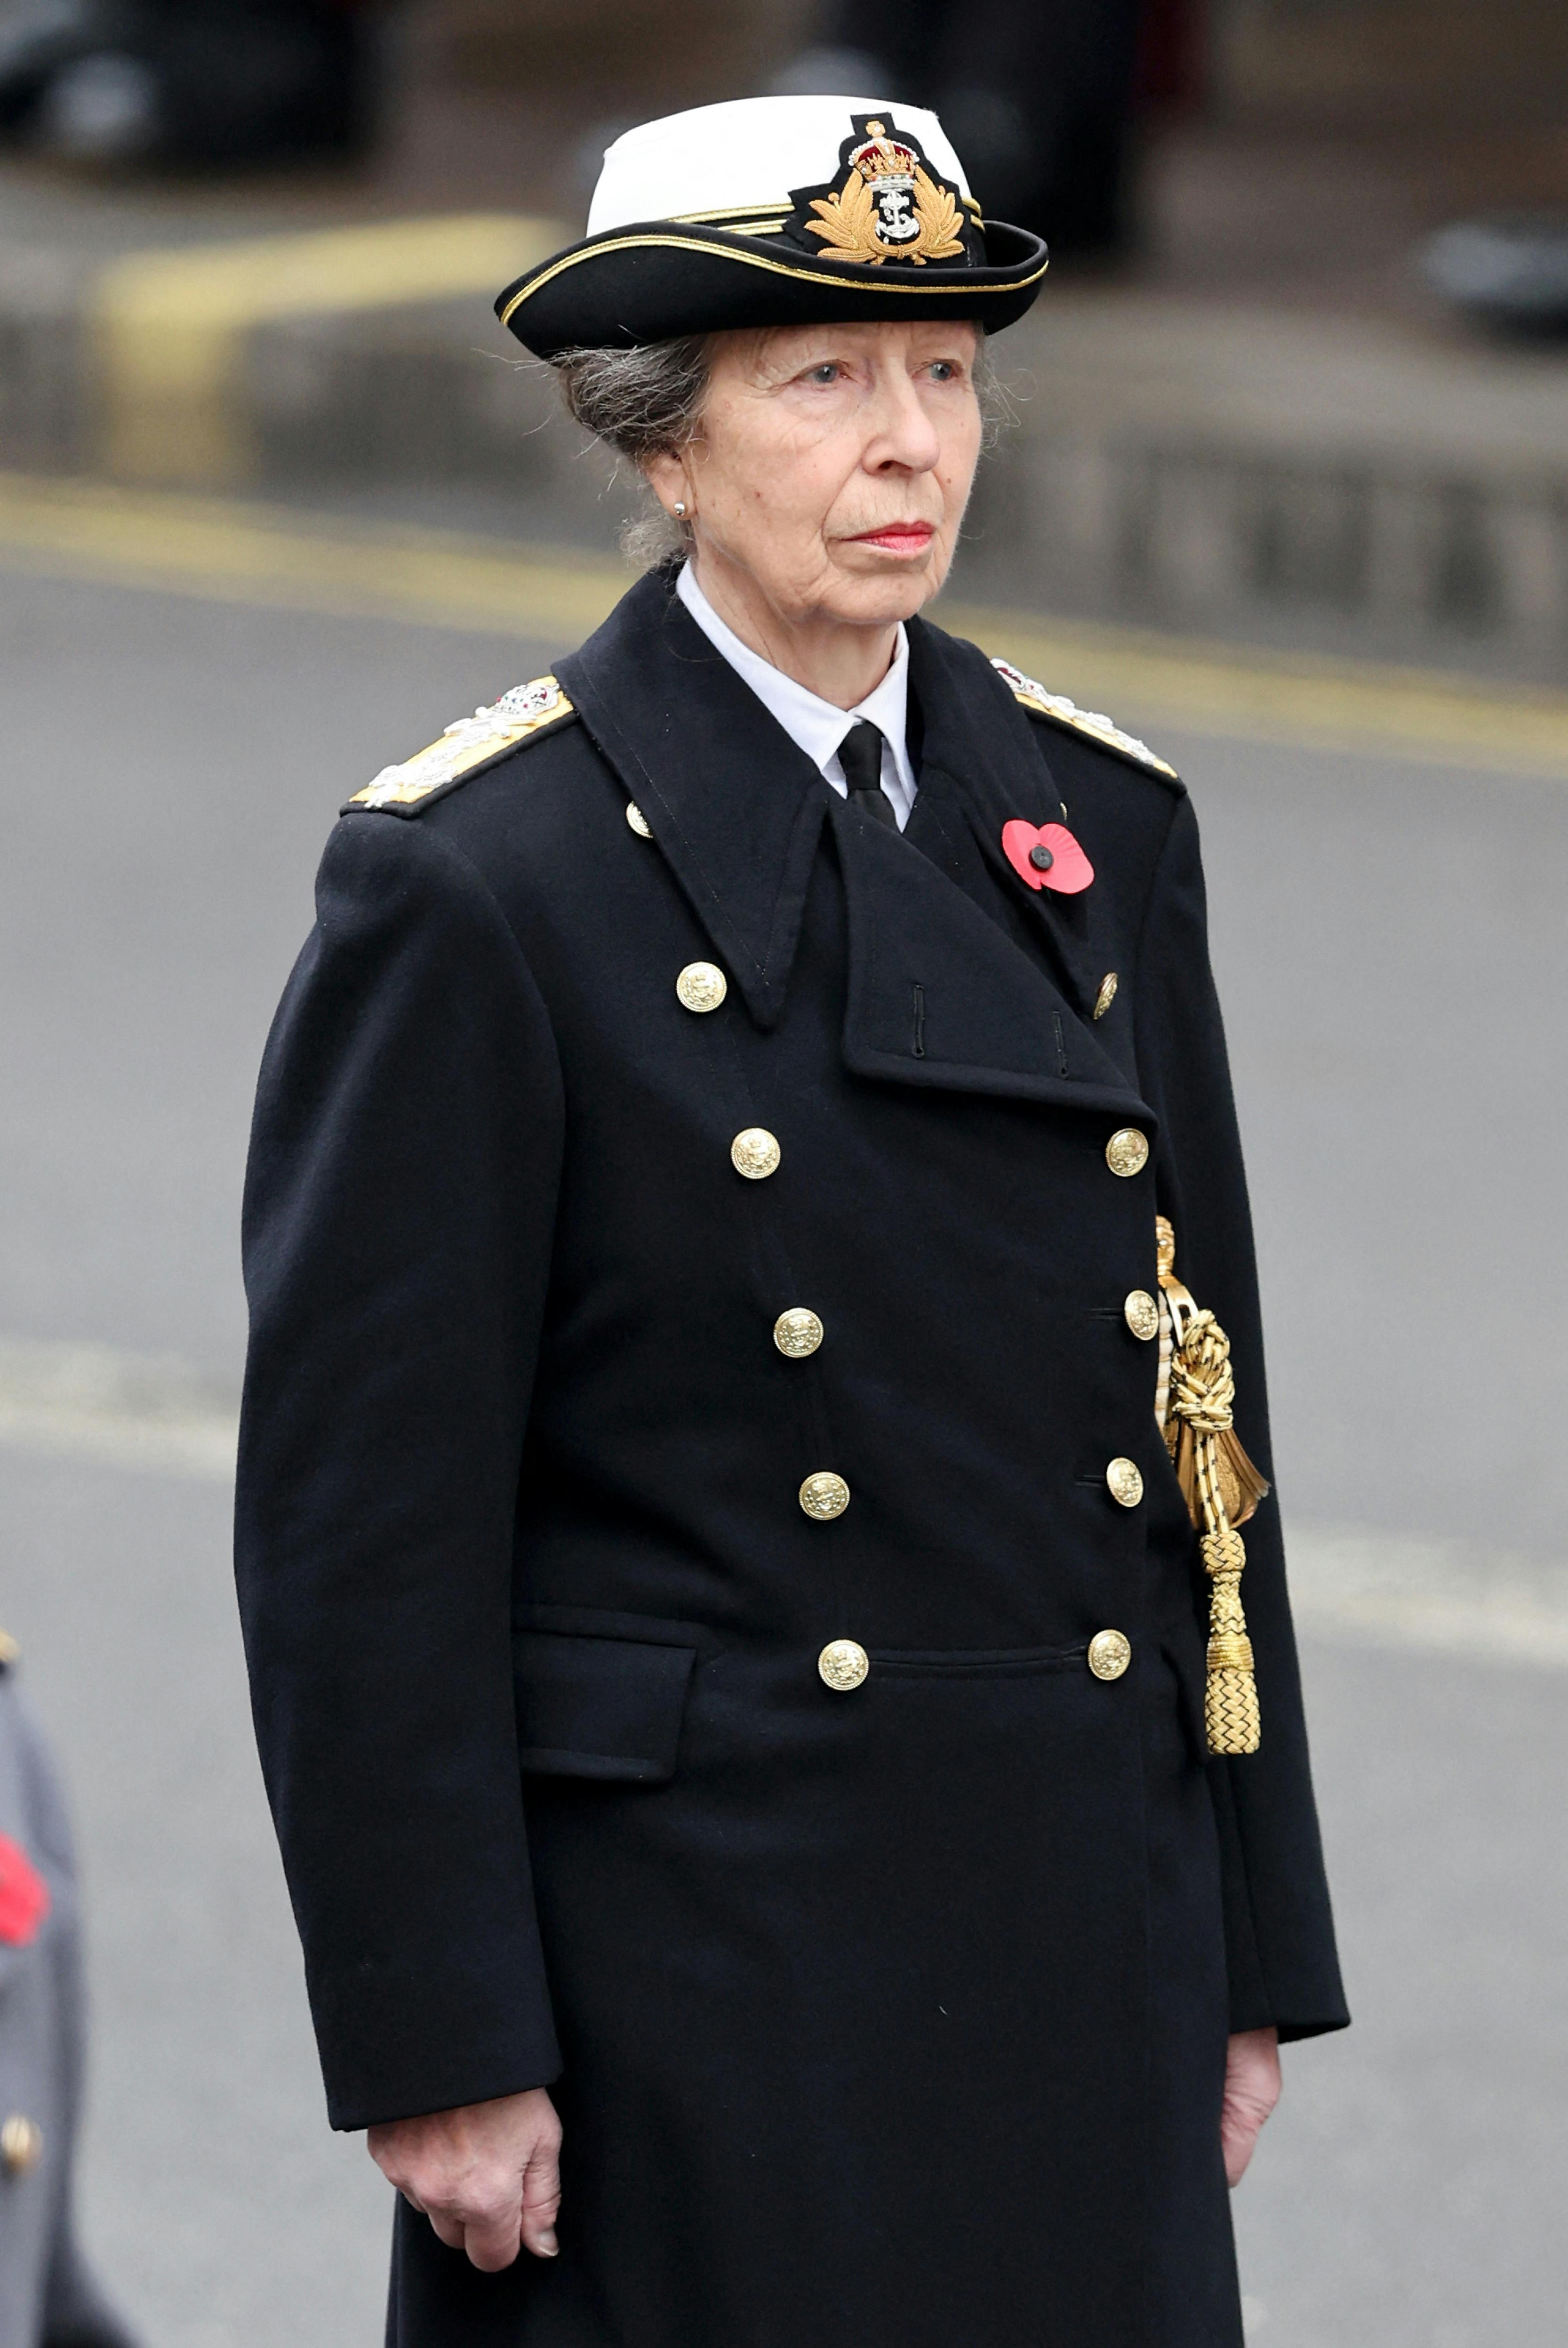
x: 665, y: 474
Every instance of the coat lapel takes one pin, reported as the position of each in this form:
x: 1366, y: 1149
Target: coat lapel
x: 983, y: 754
x: 939, y: 995
x: 733, y: 805
x: 938, y: 992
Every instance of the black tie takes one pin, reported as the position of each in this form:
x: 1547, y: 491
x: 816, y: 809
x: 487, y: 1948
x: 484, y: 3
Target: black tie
x: 860, y: 755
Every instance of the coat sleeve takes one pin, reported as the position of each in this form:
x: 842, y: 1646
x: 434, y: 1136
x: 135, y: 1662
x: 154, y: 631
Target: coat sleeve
x: 1279, y: 1929
x: 399, y: 1207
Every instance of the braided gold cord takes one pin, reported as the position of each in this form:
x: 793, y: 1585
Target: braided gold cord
x: 1203, y: 1396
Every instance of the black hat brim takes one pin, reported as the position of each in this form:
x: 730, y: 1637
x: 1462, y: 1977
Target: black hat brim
x: 653, y: 280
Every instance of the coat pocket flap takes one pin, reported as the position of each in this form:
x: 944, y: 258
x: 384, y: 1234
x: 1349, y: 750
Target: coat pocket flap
x: 594, y: 1707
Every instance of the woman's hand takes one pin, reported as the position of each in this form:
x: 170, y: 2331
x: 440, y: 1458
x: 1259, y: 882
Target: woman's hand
x: 487, y: 2177
x: 1252, y: 2091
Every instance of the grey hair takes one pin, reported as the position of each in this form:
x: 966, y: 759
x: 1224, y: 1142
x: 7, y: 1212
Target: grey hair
x: 648, y: 402
x: 642, y: 403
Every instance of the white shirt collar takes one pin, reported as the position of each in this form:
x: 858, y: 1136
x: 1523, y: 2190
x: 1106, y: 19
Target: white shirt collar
x: 814, y: 725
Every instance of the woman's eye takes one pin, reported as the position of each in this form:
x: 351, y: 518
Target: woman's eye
x: 945, y: 370
x: 826, y: 373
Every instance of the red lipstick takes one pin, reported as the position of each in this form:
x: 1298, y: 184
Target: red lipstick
x: 907, y: 538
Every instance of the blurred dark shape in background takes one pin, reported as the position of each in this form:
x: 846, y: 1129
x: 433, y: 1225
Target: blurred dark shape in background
x: 189, y: 83
x: 1507, y: 271
x: 49, y: 2297
x: 1037, y: 96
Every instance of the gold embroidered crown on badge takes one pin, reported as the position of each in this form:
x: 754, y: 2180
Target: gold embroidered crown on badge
x: 1091, y: 722
x: 467, y: 745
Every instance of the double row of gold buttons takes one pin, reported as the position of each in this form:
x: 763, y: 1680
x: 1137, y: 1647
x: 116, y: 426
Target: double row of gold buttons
x: 755, y: 1153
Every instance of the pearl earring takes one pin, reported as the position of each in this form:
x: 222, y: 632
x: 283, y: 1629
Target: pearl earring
x: 680, y: 510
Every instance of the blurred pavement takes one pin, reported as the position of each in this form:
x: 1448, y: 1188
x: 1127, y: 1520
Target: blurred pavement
x: 1389, y: 940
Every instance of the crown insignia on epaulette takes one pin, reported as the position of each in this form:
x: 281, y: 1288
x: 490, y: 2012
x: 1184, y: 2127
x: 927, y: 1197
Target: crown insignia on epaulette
x: 465, y: 746
x: 1092, y: 722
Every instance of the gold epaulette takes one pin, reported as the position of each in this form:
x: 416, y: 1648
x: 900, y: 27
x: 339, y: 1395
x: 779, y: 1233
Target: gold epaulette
x: 465, y: 749
x: 1059, y: 711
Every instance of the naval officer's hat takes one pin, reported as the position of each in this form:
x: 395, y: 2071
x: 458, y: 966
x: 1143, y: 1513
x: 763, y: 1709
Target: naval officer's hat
x: 773, y: 212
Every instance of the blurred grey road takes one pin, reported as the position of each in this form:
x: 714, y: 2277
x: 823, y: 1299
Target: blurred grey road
x: 1391, y: 944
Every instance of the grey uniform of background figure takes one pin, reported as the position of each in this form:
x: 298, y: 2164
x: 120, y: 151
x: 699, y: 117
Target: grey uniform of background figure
x: 47, y: 2297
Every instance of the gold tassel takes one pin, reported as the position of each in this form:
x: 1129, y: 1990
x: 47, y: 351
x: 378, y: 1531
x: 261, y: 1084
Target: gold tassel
x: 1222, y: 1489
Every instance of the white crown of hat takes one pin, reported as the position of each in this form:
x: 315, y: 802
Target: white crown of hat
x: 746, y: 155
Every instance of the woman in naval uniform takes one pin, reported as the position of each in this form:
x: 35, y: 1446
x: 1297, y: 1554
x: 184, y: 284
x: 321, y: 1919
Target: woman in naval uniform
x: 726, y: 1620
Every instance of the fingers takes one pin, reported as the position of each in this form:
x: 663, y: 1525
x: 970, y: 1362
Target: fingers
x: 1251, y: 2092
x: 489, y: 2231
x: 487, y: 2176
x: 1239, y: 2132
x: 490, y: 2236
x: 448, y: 2229
x: 541, y: 2196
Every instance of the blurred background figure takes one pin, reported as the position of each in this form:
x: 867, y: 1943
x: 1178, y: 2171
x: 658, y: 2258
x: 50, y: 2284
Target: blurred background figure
x: 1039, y: 93
x: 189, y: 82
x: 48, y: 2299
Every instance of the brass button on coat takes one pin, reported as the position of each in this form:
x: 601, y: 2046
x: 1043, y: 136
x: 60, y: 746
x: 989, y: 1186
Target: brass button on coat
x: 1110, y: 1653
x: 21, y: 2144
x: 843, y: 1664
x: 825, y: 1495
x: 1126, y: 1483
x: 1107, y: 994
x: 1127, y: 1151
x: 638, y: 821
x: 701, y: 986
x: 1142, y: 1313
x: 755, y: 1153
x: 797, y: 1333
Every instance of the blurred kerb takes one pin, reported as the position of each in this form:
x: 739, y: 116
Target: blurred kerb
x: 167, y: 329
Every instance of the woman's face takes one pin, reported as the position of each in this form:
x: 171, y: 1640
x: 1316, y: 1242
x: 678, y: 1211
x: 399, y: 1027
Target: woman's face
x: 834, y: 466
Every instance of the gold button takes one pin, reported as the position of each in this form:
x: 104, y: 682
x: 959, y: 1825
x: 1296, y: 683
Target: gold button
x: 22, y: 2144
x: 797, y: 1333
x: 1110, y: 1653
x: 10, y: 1653
x: 843, y: 1664
x: 1107, y: 994
x: 1142, y: 1313
x: 638, y: 821
x: 825, y: 1495
x: 1126, y: 1483
x: 1127, y: 1151
x: 701, y: 986
x: 755, y: 1153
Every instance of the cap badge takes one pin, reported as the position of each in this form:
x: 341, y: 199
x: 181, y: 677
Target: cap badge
x: 887, y: 205
x: 1045, y: 858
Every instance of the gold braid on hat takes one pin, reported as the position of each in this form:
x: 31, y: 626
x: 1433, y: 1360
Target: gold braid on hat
x: 1220, y: 1487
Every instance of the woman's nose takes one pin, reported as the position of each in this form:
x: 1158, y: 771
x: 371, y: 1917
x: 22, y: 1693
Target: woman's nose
x: 904, y: 433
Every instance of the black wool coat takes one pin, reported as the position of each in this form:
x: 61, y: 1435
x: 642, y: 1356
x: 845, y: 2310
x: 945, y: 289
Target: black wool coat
x: 892, y: 2017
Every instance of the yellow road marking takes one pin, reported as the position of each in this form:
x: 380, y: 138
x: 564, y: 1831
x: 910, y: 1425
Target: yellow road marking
x: 168, y: 326
x: 224, y: 550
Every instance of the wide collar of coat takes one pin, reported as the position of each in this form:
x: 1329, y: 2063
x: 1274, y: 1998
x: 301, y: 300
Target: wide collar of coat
x: 734, y: 804
x: 938, y: 992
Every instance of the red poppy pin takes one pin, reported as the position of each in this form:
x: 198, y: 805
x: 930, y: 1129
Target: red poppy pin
x: 1047, y: 857
x: 24, y: 1896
